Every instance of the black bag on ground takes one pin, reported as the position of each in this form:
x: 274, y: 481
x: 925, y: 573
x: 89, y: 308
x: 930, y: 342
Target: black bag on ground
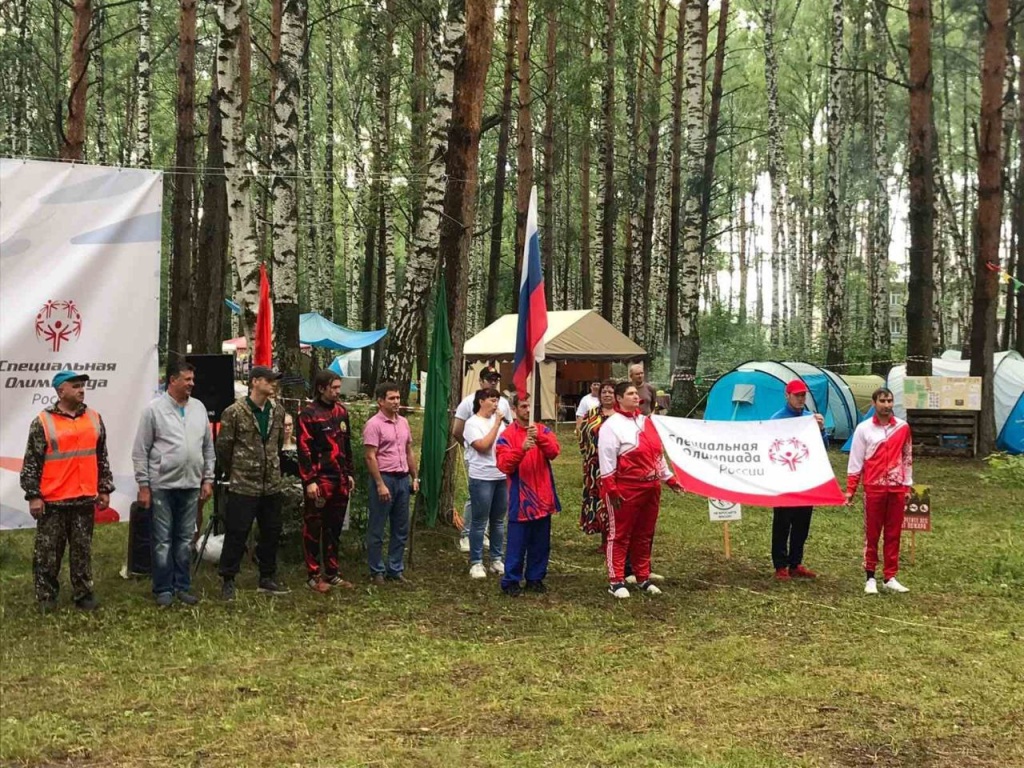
x: 140, y: 555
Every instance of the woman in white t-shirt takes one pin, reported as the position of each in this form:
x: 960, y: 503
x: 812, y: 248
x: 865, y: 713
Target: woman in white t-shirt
x: 487, y: 487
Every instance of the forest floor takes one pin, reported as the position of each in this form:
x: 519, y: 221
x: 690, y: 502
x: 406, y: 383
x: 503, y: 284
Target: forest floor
x: 727, y: 669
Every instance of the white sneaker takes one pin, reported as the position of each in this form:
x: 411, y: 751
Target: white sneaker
x: 464, y: 544
x: 631, y: 579
x: 476, y: 571
x: 894, y: 586
x: 871, y: 587
x: 652, y: 576
x: 497, y: 566
x: 619, y: 591
x: 649, y: 588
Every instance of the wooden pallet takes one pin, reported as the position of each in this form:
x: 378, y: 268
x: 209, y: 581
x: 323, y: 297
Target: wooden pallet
x: 944, y: 433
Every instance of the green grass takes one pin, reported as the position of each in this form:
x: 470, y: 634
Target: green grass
x: 726, y: 670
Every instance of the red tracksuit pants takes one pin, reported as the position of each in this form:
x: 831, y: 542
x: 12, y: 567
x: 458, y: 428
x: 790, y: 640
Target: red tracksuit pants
x: 883, y: 514
x: 631, y: 531
x: 322, y: 525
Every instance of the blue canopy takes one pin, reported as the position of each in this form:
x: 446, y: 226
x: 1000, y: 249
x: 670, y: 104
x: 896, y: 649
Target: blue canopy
x: 317, y: 331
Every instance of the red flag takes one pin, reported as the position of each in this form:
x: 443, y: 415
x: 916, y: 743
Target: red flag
x: 263, y: 344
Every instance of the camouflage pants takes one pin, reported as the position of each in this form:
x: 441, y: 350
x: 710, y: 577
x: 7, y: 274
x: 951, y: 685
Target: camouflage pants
x: 60, y: 526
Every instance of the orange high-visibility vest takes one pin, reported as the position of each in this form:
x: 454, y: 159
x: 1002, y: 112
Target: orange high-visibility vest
x: 70, y: 469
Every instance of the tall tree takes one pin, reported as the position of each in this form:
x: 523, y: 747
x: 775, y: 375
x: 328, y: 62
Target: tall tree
x: 878, y: 260
x: 328, y: 245
x: 500, y: 163
x: 776, y: 161
x: 143, y: 143
x: 989, y: 217
x: 675, y: 192
x: 608, y: 207
x: 550, y: 161
x: 1019, y: 206
x: 586, y: 275
x: 833, y: 238
x: 524, y: 142
x: 684, y: 389
x: 73, y: 144
x: 180, y: 301
x: 922, y: 195
x: 100, y: 81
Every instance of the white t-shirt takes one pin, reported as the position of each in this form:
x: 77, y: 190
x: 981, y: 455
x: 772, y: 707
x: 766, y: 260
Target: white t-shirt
x: 465, y: 409
x: 481, y: 466
x: 587, y: 402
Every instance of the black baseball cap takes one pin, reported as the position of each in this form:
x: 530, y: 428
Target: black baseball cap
x: 263, y: 372
x: 490, y: 373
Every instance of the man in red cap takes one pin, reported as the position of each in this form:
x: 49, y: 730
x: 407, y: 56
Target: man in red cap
x: 790, y: 525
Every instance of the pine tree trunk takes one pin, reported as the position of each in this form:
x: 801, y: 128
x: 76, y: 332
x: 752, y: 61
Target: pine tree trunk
x: 608, y: 292
x: 833, y: 238
x: 920, y: 286
x: 476, y: 18
x: 547, y: 253
x: 878, y: 260
x: 329, y: 244
x: 524, y: 142
x: 990, y: 211
x: 744, y: 269
x: 675, y: 192
x: 422, y: 264
x: 73, y: 144
x: 500, y: 170
x: 1009, y: 124
x: 684, y: 390
x: 143, y: 145
x: 231, y: 102
x: 180, y: 300
x: 210, y: 274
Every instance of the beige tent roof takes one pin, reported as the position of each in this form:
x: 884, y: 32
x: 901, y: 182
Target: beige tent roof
x: 574, y: 335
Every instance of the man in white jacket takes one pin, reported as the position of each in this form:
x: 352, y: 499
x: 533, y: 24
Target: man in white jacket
x: 174, y: 459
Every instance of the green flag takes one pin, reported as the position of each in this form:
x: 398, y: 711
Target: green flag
x: 435, y: 424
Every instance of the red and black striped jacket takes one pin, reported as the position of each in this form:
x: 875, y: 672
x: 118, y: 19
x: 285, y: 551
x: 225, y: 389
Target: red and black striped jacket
x: 325, y: 443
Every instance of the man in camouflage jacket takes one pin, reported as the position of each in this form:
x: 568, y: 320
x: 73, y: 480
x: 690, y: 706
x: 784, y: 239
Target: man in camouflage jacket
x: 248, y: 450
x: 64, y: 516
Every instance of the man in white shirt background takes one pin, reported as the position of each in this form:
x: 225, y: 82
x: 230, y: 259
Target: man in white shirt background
x: 588, y: 401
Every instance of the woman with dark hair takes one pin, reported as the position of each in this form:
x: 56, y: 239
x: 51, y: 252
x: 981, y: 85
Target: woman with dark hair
x: 487, y: 491
x: 632, y: 469
x: 593, y: 515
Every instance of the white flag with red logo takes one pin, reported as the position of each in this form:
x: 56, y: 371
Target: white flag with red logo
x: 777, y: 463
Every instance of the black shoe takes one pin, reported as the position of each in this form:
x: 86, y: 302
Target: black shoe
x: 399, y: 577
x: 227, y: 591
x: 272, y: 587
x: 188, y: 598
x: 47, y: 606
x: 536, y: 586
x: 87, y: 603
x: 512, y: 590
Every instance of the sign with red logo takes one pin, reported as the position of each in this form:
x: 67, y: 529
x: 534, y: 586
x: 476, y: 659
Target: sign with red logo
x: 58, y: 323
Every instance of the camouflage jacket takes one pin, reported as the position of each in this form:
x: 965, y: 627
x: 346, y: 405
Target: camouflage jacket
x: 252, y: 466
x: 35, y: 456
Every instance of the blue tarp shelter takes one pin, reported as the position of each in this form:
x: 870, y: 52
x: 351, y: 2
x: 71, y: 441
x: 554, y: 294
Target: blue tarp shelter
x: 755, y: 390
x: 317, y: 331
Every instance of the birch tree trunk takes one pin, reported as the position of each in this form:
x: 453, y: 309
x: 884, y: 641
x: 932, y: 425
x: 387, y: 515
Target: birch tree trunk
x: 102, y: 146
x: 675, y: 193
x: 990, y: 212
x: 550, y: 161
x: 684, y: 390
x: 586, y: 274
x: 20, y: 143
x: 743, y: 266
x: 143, y: 145
x: 878, y: 260
x: 73, y: 144
x: 1019, y: 206
x: 500, y: 163
x: 422, y: 265
x: 310, y: 260
x: 921, y: 217
x: 776, y: 167
x: 608, y: 292
x: 329, y: 244
x: 833, y: 238
x: 231, y: 102
x: 180, y: 299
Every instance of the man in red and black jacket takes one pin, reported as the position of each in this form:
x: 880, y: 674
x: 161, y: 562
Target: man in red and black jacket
x: 524, y: 453
x: 325, y: 466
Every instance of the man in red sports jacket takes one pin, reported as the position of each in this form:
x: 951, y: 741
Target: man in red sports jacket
x: 524, y: 453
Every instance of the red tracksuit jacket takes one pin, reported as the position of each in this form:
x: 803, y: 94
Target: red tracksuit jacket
x: 531, y: 481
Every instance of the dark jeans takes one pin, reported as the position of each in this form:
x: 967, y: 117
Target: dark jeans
x: 790, y: 526
x: 395, y: 512
x: 241, y: 511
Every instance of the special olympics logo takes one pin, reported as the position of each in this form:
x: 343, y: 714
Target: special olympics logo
x: 789, y: 452
x: 58, y: 322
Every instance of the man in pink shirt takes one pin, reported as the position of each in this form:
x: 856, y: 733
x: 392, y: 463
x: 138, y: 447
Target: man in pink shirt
x: 387, y: 441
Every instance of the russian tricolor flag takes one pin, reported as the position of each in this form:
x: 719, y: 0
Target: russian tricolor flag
x: 533, y: 310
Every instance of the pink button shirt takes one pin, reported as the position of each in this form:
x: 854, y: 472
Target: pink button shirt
x: 391, y: 439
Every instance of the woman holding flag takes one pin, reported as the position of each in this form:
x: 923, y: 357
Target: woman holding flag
x: 633, y: 467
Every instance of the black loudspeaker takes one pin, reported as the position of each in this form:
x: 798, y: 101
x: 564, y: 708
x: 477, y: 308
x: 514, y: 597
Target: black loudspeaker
x: 140, y: 524
x: 215, y: 382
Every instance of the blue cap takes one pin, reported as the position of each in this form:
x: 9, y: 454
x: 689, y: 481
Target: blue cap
x: 65, y: 376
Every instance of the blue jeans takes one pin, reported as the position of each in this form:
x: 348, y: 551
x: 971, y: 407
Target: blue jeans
x: 395, y: 511
x: 174, y: 522
x: 490, y: 504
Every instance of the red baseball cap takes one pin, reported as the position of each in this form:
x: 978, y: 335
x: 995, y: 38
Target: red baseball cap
x: 796, y: 387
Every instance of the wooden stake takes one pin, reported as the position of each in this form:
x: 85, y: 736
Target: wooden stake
x: 728, y: 547
x: 913, y: 540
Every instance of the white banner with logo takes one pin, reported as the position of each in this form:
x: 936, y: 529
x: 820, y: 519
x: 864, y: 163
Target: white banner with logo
x: 80, y: 290
x: 777, y: 463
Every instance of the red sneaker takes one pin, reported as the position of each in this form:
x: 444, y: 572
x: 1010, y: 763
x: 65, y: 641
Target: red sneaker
x: 782, y: 574
x: 802, y: 573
